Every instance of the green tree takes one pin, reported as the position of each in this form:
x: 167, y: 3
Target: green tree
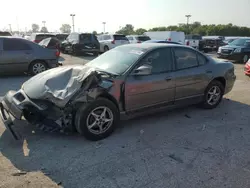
x: 35, y: 27
x: 44, y: 30
x: 65, y: 28
x: 127, y: 30
x: 140, y: 31
x: 94, y: 32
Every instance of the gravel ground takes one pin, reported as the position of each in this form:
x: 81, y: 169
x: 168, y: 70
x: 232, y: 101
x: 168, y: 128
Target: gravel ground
x: 186, y: 147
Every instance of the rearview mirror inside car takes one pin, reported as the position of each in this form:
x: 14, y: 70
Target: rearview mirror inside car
x: 142, y: 70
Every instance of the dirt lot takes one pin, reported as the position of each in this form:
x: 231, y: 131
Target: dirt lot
x: 181, y: 148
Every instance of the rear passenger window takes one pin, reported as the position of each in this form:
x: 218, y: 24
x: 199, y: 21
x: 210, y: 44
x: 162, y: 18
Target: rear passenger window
x: 15, y: 45
x: 185, y: 58
x: 106, y: 37
x: 201, y: 59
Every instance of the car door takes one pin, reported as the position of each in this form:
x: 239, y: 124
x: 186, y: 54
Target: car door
x: 192, y: 74
x: 154, y: 89
x: 16, y: 55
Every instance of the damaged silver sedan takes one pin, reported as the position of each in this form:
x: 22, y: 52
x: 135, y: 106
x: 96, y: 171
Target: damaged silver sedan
x: 126, y: 81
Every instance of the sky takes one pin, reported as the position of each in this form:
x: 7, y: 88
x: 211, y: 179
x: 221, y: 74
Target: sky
x: 89, y: 14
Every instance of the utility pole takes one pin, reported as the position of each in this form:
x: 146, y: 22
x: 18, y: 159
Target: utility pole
x: 10, y: 28
x: 104, y: 23
x: 44, y: 22
x: 188, y: 16
x: 44, y: 25
x: 73, y: 24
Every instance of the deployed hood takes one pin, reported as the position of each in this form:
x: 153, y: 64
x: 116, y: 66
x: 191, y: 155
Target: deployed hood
x: 57, y: 85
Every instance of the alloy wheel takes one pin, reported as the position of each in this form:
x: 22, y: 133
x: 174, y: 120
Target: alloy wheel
x: 99, y: 120
x: 213, y: 95
x: 38, y: 68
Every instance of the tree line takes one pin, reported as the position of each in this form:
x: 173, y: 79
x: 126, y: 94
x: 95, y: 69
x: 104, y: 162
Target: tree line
x: 193, y: 28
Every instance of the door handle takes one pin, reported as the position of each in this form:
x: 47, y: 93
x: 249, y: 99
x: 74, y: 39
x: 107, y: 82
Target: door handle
x: 27, y: 53
x: 168, y: 79
x: 209, y: 71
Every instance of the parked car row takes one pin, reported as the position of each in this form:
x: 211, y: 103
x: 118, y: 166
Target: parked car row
x: 21, y: 55
x: 238, y: 50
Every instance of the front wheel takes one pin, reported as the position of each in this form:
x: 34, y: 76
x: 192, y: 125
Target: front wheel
x: 97, y: 120
x: 213, y: 95
x: 245, y: 58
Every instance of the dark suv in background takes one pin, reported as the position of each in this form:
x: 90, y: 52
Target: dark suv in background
x: 5, y: 33
x: 77, y: 43
x: 38, y: 37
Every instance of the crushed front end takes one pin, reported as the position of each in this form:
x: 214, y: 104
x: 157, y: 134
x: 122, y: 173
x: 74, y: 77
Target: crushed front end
x: 48, y: 100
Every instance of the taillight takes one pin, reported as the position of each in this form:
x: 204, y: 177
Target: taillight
x: 57, y: 53
x: 169, y: 39
x: 188, y: 43
x: 113, y: 41
x: 36, y: 41
x: 138, y: 41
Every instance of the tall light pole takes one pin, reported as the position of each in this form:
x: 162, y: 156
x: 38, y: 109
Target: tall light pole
x: 10, y: 28
x: 44, y: 22
x: 73, y: 24
x: 104, y: 23
x: 188, y: 16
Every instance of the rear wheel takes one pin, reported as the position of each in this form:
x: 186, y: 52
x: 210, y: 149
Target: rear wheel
x: 213, y: 95
x: 37, y: 67
x: 97, y: 120
x: 106, y: 48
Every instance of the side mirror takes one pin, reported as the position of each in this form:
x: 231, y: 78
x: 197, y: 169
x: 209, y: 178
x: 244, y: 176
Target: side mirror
x: 142, y: 70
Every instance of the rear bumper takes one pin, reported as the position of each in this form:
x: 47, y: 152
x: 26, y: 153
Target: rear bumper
x: 53, y: 63
x: 230, y: 84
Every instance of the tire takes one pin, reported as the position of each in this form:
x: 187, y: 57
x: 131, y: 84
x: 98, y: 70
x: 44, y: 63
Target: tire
x: 106, y: 48
x: 84, y: 117
x: 37, y: 67
x: 95, y: 54
x: 206, y: 104
x: 245, y: 58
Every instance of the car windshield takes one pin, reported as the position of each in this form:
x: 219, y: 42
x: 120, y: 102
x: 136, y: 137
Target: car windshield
x: 240, y: 42
x: 117, y: 60
x: 142, y: 38
x: 43, y: 36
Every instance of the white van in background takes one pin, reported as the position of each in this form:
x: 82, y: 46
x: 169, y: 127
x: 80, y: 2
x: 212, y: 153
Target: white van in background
x: 174, y: 36
x: 193, y: 40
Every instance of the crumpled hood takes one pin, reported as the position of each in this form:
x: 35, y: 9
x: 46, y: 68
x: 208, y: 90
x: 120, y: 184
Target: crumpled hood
x: 57, y: 85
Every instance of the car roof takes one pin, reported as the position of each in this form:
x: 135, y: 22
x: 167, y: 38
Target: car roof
x: 149, y: 46
x: 12, y: 37
x: 43, y: 33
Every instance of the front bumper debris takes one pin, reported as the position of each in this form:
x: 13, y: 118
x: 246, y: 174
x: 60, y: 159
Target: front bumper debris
x: 11, y: 107
x: 6, y: 112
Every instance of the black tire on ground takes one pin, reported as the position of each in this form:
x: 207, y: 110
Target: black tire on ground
x: 37, y: 67
x: 96, y: 54
x: 245, y: 58
x: 84, y: 112
x: 220, y: 88
x: 106, y: 48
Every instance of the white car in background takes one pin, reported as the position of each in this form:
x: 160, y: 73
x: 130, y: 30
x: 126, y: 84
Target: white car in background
x: 173, y: 36
x: 109, y: 41
x: 138, y: 38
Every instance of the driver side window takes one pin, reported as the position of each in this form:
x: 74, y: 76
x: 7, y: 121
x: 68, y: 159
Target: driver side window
x: 160, y: 60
